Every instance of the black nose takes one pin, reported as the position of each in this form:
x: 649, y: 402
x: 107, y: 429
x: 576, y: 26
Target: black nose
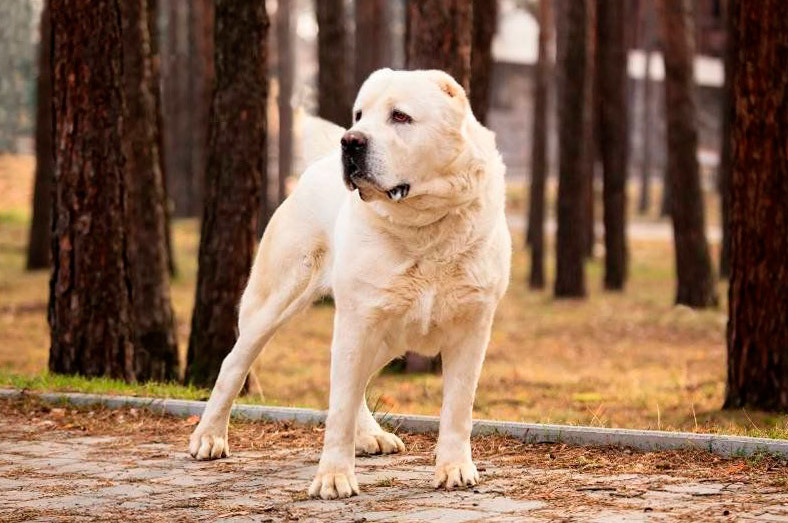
x: 354, y: 142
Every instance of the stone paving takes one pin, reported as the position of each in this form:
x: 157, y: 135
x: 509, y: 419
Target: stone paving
x: 54, y: 473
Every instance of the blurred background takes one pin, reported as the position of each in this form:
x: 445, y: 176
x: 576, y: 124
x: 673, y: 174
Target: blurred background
x: 601, y: 328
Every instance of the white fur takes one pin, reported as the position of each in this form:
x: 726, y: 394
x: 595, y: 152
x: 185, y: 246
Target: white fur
x: 421, y: 273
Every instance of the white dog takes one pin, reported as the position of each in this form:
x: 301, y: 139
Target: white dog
x: 416, y: 254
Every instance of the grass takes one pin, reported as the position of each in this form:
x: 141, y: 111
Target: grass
x: 629, y: 359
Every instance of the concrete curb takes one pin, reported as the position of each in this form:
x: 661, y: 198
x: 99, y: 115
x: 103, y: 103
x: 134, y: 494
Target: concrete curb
x: 646, y: 440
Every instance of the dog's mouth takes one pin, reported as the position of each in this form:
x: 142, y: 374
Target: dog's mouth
x: 399, y: 192
x: 356, y: 179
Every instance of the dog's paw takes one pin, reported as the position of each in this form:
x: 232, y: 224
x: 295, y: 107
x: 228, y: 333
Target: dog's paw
x: 334, y: 485
x: 378, y: 443
x: 453, y: 475
x: 205, y: 444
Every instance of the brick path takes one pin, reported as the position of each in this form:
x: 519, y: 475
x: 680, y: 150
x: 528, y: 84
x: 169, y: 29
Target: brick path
x: 51, y: 472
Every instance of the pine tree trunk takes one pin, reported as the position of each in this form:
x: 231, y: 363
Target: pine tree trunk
x: 90, y: 312
x: 438, y: 36
x: 571, y: 238
x: 696, y: 287
x: 724, y: 171
x: 540, y: 146
x: 155, y: 347
x: 285, y: 48
x: 758, y: 296
x: 236, y: 158
x: 613, y: 134
x: 153, y: 31
x: 485, y: 21
x: 590, y: 132
x: 334, y: 93
x: 39, y: 239
x: 373, y: 38
x: 200, y: 84
x: 644, y: 202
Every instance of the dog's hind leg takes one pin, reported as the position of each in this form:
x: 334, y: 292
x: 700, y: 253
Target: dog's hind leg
x: 285, y: 278
x: 370, y: 437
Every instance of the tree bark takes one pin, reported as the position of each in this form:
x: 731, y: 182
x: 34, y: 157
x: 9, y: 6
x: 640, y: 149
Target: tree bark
x: 693, y: 263
x: 199, y: 85
x: 155, y: 347
x: 758, y: 296
x: 438, y: 36
x: 724, y: 172
x: 334, y: 96
x: 613, y: 134
x: 540, y: 146
x: 590, y: 132
x: 90, y: 311
x: 571, y: 238
x: 373, y: 38
x: 485, y: 21
x: 153, y: 31
x: 285, y: 48
x: 236, y: 158
x: 644, y: 202
x: 39, y: 238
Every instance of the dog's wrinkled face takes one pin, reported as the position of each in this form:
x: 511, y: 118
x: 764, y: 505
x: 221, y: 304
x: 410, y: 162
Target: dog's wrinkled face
x: 407, y: 129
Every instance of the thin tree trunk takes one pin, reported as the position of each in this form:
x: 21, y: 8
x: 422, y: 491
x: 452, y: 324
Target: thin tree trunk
x: 724, y: 172
x: 153, y: 31
x: 155, y: 347
x: 758, y: 298
x: 696, y: 286
x: 485, y: 20
x: 90, y: 311
x: 590, y: 132
x: 438, y: 36
x: 613, y: 135
x: 644, y: 202
x: 571, y: 238
x: 232, y: 196
x: 540, y: 146
x: 285, y: 48
x: 39, y: 239
x: 199, y: 87
x: 334, y: 94
x: 373, y: 37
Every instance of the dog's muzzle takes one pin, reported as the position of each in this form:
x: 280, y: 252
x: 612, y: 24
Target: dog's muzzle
x: 354, y: 166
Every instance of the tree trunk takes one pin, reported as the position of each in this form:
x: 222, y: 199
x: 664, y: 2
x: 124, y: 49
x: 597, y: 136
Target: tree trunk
x: 438, y: 36
x: 155, y: 347
x: 571, y: 238
x: 199, y: 86
x: 485, y: 21
x: 236, y: 158
x: 334, y: 94
x: 90, y: 312
x: 540, y: 146
x: 39, y: 239
x: 644, y: 202
x: 590, y: 121
x: 285, y: 45
x: 613, y: 134
x: 696, y: 286
x: 758, y: 299
x: 724, y: 171
x: 373, y: 38
x: 153, y: 31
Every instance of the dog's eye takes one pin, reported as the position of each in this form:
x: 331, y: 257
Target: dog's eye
x: 400, y: 117
x: 358, y: 115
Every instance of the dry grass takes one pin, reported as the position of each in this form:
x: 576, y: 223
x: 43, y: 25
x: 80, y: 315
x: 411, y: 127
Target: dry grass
x: 627, y: 360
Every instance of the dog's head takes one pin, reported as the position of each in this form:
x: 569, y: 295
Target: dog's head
x: 409, y: 130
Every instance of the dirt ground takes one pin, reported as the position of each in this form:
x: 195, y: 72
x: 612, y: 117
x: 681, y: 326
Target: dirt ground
x: 66, y: 464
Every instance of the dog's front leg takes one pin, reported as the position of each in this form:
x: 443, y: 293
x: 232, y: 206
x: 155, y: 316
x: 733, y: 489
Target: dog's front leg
x: 462, y: 363
x: 352, y: 363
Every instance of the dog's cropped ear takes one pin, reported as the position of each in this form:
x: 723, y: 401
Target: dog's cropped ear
x: 449, y: 85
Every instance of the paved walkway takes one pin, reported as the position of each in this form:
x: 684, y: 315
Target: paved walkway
x: 62, y: 465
